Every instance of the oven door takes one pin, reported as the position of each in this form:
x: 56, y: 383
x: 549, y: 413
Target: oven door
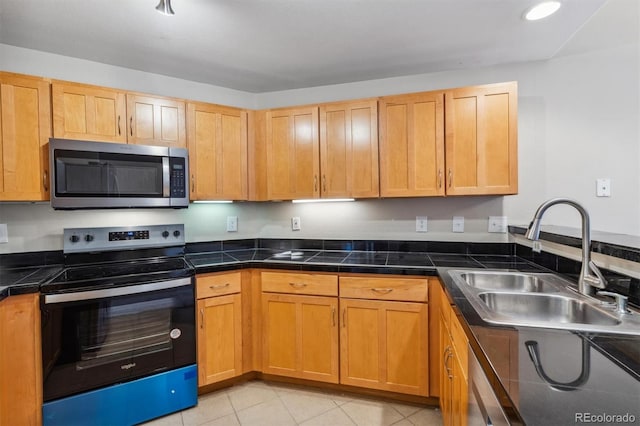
x: 95, y: 338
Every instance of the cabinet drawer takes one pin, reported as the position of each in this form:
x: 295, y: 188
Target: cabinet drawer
x: 296, y: 283
x: 208, y: 285
x: 460, y: 344
x: 380, y: 288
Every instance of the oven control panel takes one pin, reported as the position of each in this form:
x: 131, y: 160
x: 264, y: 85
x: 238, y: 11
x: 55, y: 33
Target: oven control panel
x: 79, y: 240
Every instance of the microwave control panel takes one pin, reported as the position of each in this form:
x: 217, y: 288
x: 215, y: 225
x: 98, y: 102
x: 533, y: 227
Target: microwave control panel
x: 178, y: 179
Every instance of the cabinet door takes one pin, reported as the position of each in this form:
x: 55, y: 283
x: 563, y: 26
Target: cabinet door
x: 25, y: 122
x: 217, y: 152
x: 459, y: 395
x: 293, y: 156
x: 412, y: 145
x: 300, y: 336
x: 156, y: 121
x: 88, y: 112
x: 446, y: 370
x: 384, y: 345
x: 349, y: 150
x: 482, y: 140
x: 219, y: 338
x: 20, y: 361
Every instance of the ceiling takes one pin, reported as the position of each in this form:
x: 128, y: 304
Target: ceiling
x: 271, y: 45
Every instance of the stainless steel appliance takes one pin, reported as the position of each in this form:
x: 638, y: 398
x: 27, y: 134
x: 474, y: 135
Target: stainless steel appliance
x: 118, y: 327
x: 88, y: 175
x: 484, y: 407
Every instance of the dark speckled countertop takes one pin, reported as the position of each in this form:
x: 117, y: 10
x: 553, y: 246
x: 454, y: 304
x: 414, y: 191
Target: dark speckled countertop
x: 610, y: 372
x: 611, y: 388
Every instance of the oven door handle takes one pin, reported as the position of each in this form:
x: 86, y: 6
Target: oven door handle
x: 112, y: 292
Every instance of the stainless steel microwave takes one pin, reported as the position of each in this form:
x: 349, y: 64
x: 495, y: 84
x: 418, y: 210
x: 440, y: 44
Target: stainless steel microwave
x: 94, y: 175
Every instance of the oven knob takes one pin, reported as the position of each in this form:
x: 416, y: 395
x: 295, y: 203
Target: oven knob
x: 165, y: 234
x: 74, y: 239
x: 88, y: 238
x: 176, y: 233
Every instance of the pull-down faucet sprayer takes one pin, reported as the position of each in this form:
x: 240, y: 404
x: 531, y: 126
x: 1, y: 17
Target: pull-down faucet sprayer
x: 590, y: 276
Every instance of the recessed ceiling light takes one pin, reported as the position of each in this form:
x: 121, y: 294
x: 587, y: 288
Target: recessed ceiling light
x: 542, y: 10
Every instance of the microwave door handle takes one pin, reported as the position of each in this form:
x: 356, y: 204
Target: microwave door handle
x: 166, y: 178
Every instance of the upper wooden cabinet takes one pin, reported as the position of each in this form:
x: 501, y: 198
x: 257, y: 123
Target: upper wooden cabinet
x: 88, y: 112
x: 217, y: 139
x: 25, y: 123
x: 156, y: 121
x: 412, y: 145
x: 292, y: 153
x: 481, y: 140
x: 97, y: 113
x: 349, y: 149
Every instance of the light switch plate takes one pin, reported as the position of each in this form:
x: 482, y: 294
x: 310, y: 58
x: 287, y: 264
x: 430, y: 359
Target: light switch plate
x: 295, y: 224
x: 421, y: 224
x: 4, y: 233
x: 458, y: 224
x: 232, y: 223
x: 498, y: 224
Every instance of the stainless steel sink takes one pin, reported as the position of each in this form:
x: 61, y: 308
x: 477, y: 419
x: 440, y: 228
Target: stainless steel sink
x: 544, y: 308
x: 509, y: 281
x: 539, y: 300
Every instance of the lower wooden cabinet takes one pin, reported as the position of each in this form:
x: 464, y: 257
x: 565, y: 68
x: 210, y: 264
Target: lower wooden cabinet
x: 300, y: 336
x: 300, y: 325
x: 219, y: 323
x: 454, y: 377
x: 20, y: 361
x: 384, y: 345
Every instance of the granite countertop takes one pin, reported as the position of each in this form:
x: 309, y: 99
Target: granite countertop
x: 614, y: 360
x: 606, y: 382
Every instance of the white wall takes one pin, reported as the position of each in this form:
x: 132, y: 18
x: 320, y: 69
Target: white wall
x: 578, y: 121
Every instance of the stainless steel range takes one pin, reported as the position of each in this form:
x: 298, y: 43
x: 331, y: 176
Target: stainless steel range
x: 118, y: 327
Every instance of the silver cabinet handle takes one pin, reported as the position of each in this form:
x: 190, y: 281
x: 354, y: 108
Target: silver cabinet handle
x: 45, y: 180
x: 315, y: 183
x: 193, y: 183
x: 333, y: 316
x: 450, y: 177
x: 219, y: 286
x: 201, y: 318
x: 382, y: 290
x: 324, y: 183
x: 439, y: 178
x: 131, y: 125
x: 119, y: 132
x: 298, y: 285
x: 344, y: 317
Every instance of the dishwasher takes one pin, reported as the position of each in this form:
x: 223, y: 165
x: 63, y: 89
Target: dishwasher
x: 484, y: 407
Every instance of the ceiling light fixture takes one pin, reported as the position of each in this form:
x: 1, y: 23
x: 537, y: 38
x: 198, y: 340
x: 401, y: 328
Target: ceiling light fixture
x: 542, y: 10
x: 164, y: 7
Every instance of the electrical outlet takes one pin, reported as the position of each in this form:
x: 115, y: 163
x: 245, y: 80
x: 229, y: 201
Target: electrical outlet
x: 498, y: 224
x: 458, y: 224
x: 603, y: 187
x: 295, y: 224
x: 232, y: 223
x: 4, y: 233
x: 421, y: 224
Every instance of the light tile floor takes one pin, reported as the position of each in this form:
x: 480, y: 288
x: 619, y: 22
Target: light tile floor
x: 258, y: 403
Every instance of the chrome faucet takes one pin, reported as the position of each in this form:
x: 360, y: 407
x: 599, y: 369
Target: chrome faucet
x: 590, y: 275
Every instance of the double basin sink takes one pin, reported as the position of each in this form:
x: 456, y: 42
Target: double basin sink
x: 539, y: 300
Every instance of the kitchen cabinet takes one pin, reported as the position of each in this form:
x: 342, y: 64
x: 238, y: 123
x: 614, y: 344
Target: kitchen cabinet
x: 217, y: 139
x: 349, y: 149
x: 95, y: 113
x: 89, y: 113
x: 481, y: 136
x: 20, y: 361
x: 412, y: 160
x: 454, y: 371
x: 154, y: 120
x: 299, y: 325
x: 25, y: 129
x: 292, y: 153
x: 219, y: 308
x: 384, y: 338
